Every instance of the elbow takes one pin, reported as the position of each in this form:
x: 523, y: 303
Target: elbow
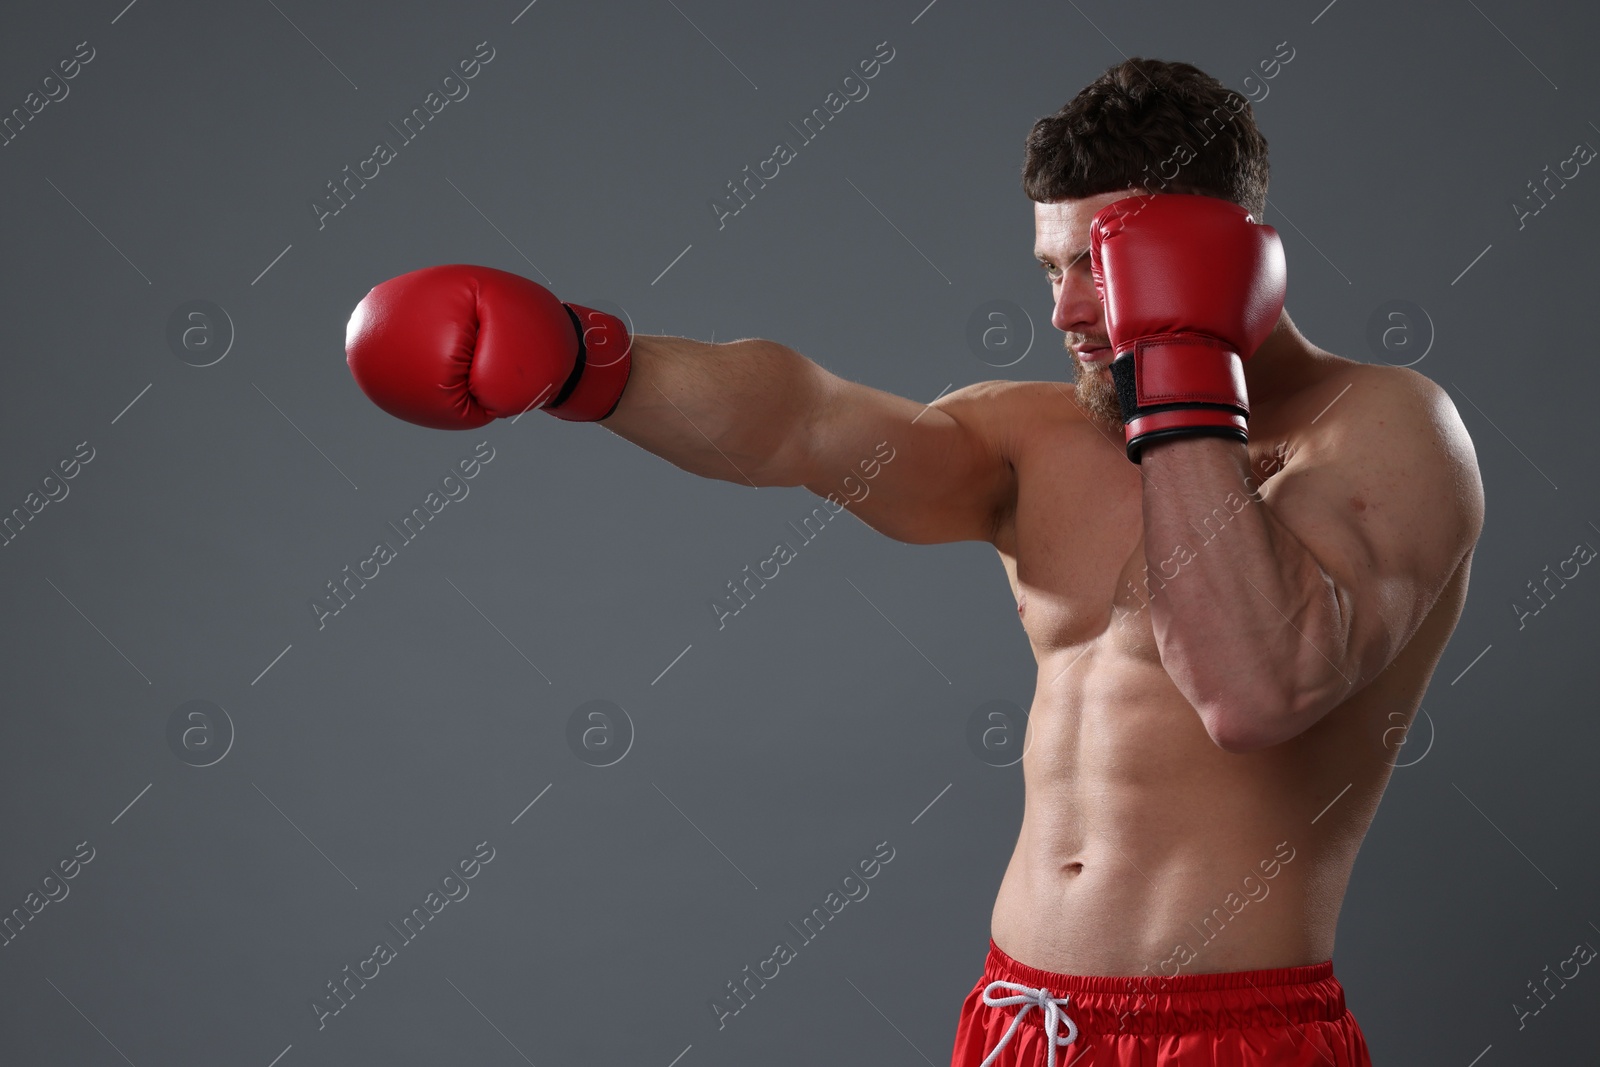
x: 780, y: 444
x: 1238, y: 736
x: 1242, y: 725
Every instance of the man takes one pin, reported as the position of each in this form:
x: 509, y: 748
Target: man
x: 1230, y: 629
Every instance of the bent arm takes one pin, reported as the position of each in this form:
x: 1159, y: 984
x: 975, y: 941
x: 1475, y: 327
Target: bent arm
x: 1309, y: 594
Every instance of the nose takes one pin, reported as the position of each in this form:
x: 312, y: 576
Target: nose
x: 1077, y: 307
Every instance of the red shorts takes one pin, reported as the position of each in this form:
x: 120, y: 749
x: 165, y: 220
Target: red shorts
x: 1289, y: 1017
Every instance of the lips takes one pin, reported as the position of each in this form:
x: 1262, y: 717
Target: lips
x: 1092, y: 353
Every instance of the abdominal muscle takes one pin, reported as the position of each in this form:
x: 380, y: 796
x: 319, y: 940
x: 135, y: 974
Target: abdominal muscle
x: 1145, y: 849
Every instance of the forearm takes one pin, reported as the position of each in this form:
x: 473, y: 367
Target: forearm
x: 735, y: 411
x: 1248, y: 623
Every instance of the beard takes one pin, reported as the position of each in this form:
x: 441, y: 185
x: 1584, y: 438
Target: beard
x: 1096, y: 394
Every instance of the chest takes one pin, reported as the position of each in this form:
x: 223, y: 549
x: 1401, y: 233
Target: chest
x: 1074, y: 550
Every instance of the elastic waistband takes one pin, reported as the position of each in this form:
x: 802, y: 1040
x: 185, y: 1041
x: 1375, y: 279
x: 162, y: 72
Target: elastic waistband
x: 1157, y: 1004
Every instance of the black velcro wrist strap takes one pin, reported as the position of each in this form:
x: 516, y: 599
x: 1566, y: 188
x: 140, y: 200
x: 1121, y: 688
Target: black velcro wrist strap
x: 578, y: 363
x: 1125, y: 380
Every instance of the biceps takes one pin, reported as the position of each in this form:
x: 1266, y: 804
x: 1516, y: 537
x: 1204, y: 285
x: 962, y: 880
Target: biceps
x: 919, y: 473
x: 1388, y: 556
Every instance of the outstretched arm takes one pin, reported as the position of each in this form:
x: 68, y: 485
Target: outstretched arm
x: 457, y: 345
x: 727, y: 411
x: 758, y: 413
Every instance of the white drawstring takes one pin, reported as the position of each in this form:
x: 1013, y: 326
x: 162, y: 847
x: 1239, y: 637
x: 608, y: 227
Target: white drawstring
x: 1054, y: 1016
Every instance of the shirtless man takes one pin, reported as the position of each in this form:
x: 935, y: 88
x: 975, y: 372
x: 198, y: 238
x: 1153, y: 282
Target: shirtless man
x: 1229, y: 630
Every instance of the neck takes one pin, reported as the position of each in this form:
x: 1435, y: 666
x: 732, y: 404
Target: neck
x: 1279, y: 364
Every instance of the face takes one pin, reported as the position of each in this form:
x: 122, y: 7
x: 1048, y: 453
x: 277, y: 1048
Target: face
x: 1061, y: 245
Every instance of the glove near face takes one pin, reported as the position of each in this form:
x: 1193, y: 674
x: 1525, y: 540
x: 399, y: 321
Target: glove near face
x: 1191, y: 286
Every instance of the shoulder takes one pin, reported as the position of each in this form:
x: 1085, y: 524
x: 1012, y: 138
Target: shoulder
x: 1009, y: 414
x: 1375, y: 433
x: 1369, y: 408
x: 1398, y: 389
x: 1009, y: 402
x: 1011, y: 396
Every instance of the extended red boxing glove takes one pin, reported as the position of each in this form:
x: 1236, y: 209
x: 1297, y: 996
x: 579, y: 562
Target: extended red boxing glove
x: 1191, y: 286
x: 455, y: 346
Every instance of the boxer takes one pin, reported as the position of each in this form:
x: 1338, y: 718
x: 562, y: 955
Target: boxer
x: 1237, y: 558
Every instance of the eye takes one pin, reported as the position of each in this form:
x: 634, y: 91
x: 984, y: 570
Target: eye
x: 1050, y: 270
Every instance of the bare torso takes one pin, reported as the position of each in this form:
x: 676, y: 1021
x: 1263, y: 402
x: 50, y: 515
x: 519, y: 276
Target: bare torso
x: 1144, y: 847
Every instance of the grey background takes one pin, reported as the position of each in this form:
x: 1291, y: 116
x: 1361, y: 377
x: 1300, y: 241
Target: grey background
x: 427, y: 715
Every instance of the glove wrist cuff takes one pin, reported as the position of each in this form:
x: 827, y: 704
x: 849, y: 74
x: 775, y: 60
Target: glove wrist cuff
x: 599, y: 370
x: 1174, y: 385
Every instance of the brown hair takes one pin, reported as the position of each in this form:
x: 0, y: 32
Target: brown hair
x: 1152, y: 125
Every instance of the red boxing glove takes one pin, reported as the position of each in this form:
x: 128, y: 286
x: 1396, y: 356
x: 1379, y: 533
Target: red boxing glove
x: 453, y: 347
x: 1191, y: 286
